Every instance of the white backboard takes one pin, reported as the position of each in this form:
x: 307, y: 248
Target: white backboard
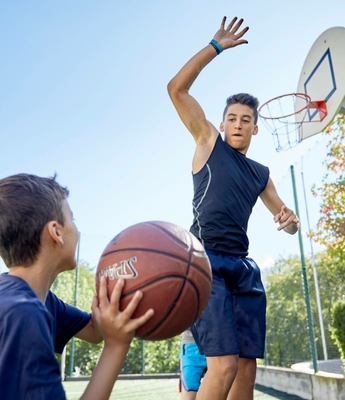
x: 323, y: 78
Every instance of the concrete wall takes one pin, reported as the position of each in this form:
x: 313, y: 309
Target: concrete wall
x: 319, y: 386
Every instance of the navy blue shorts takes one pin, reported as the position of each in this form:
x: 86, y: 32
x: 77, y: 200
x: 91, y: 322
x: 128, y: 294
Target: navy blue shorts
x: 234, y: 321
x: 192, y: 367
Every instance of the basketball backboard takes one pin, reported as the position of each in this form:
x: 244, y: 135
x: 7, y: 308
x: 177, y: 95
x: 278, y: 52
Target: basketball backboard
x: 322, y: 79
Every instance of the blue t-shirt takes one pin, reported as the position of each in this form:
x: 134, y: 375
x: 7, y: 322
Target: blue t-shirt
x: 225, y: 192
x: 30, y: 332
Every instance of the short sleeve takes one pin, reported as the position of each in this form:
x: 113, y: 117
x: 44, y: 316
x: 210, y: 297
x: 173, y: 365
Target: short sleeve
x: 68, y: 320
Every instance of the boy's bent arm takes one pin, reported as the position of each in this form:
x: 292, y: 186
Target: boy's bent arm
x: 282, y: 214
x: 90, y: 333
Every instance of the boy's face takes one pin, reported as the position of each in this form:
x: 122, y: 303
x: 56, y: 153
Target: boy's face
x: 239, y: 127
x: 70, y: 237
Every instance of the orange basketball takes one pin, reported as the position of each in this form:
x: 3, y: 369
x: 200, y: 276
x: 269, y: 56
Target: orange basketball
x: 169, y: 265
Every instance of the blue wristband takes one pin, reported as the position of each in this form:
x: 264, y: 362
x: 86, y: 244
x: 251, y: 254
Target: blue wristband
x: 216, y: 46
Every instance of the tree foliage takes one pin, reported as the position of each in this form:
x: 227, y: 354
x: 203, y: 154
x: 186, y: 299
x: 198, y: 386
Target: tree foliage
x: 330, y: 229
x: 152, y: 357
x: 287, y: 339
x: 86, y: 355
x: 338, y: 331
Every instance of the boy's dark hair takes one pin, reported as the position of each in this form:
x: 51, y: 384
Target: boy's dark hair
x: 245, y: 99
x: 27, y: 204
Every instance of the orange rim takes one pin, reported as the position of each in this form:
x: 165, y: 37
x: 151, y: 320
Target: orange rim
x: 304, y: 96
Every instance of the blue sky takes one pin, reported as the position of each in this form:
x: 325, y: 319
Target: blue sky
x: 83, y: 94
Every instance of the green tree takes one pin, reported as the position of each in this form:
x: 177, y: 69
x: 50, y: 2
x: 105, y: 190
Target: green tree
x: 159, y: 357
x: 86, y: 355
x: 287, y: 339
x: 162, y: 356
x: 330, y: 229
x: 338, y: 331
x: 286, y: 315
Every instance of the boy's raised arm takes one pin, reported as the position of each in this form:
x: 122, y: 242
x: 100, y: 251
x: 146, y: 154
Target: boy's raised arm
x: 189, y: 110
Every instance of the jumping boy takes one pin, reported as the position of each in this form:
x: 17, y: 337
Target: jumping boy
x: 38, y: 239
x: 227, y: 184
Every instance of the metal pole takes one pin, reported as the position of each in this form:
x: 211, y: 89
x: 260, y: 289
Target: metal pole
x: 63, y: 364
x: 71, y: 358
x: 305, y: 280
x: 142, y: 357
x: 265, y: 357
x: 316, y: 281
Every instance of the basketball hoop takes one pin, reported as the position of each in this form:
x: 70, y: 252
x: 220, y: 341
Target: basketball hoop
x: 285, y: 115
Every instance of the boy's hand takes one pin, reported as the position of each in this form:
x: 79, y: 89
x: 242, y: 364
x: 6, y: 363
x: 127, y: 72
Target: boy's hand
x: 117, y: 327
x: 287, y: 220
x: 228, y: 37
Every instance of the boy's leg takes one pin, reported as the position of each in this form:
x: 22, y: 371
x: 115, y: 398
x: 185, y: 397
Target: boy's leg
x: 221, y: 372
x: 236, y: 311
x: 188, y: 395
x: 192, y: 369
x: 243, y: 385
x: 216, y: 335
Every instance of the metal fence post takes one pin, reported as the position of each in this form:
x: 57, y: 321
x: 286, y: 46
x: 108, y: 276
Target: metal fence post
x: 305, y: 280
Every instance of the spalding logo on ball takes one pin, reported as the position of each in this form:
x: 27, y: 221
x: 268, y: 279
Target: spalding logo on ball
x: 169, y: 265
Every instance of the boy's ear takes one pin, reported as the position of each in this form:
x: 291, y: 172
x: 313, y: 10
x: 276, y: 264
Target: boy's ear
x: 55, y: 232
x: 256, y: 129
x: 221, y: 126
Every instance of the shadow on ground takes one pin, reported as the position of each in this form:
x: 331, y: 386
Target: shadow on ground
x: 276, y: 394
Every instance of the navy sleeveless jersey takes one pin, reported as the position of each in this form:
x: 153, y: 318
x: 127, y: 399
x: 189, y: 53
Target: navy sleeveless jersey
x: 225, y: 192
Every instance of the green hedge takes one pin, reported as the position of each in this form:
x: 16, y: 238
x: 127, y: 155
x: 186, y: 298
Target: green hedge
x: 338, y: 331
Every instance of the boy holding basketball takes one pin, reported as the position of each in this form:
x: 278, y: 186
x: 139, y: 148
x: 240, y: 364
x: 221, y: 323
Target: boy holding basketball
x: 38, y: 240
x: 231, y: 331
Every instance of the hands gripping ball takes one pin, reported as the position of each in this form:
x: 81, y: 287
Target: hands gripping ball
x: 169, y: 265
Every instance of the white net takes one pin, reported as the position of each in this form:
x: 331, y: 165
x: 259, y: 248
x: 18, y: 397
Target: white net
x: 280, y: 118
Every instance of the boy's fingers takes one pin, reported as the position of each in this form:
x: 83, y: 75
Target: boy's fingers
x: 239, y: 35
x: 133, y: 304
x: 95, y: 302
x: 237, y: 26
x: 138, y: 322
x: 287, y: 222
x: 277, y: 217
x: 231, y: 24
x: 116, y: 295
x: 223, y: 23
x: 102, y: 291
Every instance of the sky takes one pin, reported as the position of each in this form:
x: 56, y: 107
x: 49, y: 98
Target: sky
x: 83, y: 95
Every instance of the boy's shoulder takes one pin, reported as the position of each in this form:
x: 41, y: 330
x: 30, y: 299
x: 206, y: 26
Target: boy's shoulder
x: 17, y: 298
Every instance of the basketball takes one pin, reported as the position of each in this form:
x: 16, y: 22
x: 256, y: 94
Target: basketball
x: 169, y: 265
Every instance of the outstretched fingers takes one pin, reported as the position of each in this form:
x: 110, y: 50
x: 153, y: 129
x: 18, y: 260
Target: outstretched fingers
x: 231, y: 24
x: 222, y: 25
x: 243, y: 31
x: 118, y: 326
x: 231, y: 36
x: 128, y: 312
